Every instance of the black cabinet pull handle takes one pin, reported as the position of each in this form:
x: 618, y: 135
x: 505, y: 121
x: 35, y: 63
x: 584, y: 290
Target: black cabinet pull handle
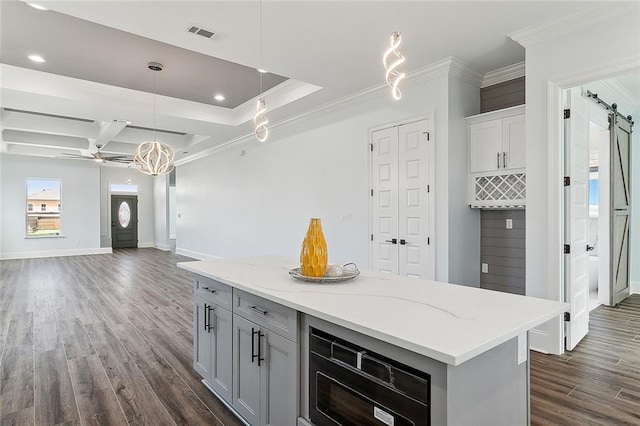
x: 260, y: 311
x: 209, y: 326
x: 253, y: 348
x: 504, y: 160
x: 260, y: 335
x: 392, y: 241
x: 206, y: 315
x: 498, y: 159
x: 208, y: 289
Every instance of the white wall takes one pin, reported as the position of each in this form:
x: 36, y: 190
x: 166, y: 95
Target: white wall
x: 80, y: 207
x: 634, y: 237
x: 124, y: 175
x: 161, y: 212
x: 596, y: 48
x: 230, y: 204
x: 464, y: 226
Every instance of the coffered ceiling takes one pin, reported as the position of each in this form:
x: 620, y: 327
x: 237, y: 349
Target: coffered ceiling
x: 95, y: 88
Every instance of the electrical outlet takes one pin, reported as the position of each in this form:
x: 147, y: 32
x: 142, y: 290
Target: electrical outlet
x: 509, y: 223
x: 485, y: 268
x: 347, y: 216
x: 522, y: 348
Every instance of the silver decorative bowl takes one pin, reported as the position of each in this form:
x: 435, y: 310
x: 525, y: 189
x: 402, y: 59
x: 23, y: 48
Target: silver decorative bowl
x: 349, y: 273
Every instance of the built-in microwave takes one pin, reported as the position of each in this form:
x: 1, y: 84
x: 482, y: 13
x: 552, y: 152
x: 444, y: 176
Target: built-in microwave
x: 352, y: 386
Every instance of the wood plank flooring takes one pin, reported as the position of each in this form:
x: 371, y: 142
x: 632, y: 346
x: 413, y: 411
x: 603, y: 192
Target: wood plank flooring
x: 106, y: 340
x: 598, y: 383
x: 100, y: 340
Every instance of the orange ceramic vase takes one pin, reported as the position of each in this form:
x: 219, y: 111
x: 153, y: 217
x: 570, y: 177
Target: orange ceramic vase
x: 313, y: 256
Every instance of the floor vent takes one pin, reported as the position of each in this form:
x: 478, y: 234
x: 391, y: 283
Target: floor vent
x: 211, y: 35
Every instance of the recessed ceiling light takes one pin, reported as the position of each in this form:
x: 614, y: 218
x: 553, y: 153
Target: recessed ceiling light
x: 261, y: 70
x: 37, y: 58
x: 37, y: 6
x: 219, y: 97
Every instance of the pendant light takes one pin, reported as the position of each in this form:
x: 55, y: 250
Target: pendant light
x: 152, y: 157
x: 392, y: 75
x: 260, y: 121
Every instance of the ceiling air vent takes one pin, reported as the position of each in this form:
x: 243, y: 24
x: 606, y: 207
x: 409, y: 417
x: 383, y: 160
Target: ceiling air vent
x: 212, y: 35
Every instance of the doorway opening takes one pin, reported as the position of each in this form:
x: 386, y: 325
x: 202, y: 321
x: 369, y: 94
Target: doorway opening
x: 597, y: 199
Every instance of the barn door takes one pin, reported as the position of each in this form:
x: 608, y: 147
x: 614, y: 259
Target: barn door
x: 620, y: 131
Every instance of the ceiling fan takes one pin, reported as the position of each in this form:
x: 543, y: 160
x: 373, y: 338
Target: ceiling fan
x: 98, y: 156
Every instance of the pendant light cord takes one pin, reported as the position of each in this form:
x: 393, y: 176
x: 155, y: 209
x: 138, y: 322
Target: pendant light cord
x: 154, y: 105
x: 260, y: 26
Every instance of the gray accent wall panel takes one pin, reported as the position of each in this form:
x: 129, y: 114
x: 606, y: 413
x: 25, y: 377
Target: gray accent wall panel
x: 503, y: 250
x: 502, y: 95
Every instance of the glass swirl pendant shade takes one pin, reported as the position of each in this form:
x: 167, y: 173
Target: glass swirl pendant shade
x: 260, y: 121
x: 153, y: 158
x: 392, y: 75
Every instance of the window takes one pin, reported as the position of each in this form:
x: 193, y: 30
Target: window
x: 46, y: 194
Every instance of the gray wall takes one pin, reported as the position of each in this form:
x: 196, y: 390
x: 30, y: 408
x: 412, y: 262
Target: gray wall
x: 503, y: 250
x: 503, y: 95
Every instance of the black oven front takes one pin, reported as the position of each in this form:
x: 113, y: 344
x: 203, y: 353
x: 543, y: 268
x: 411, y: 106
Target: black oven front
x: 350, y: 385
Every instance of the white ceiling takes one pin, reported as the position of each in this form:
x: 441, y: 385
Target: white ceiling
x: 326, y: 49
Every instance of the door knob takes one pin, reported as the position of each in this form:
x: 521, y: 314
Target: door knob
x: 403, y: 242
x: 590, y: 248
x: 392, y: 241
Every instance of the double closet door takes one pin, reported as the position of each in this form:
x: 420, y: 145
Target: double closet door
x: 402, y: 238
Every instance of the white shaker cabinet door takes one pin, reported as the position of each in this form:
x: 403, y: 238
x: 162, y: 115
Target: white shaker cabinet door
x: 513, y: 147
x: 485, y: 145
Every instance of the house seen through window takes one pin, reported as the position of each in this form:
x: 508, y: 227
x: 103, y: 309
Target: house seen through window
x: 46, y: 194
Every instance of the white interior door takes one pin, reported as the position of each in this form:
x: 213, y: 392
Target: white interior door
x: 414, y: 198
x: 576, y: 218
x: 620, y: 132
x: 384, y: 172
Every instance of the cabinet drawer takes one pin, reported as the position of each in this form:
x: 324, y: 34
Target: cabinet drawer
x: 273, y: 316
x: 213, y: 291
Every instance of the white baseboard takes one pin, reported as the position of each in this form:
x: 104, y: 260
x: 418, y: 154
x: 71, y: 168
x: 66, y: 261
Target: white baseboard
x: 539, y: 340
x: 54, y: 253
x: 163, y: 247
x: 196, y: 254
x: 635, y: 287
x: 146, y: 245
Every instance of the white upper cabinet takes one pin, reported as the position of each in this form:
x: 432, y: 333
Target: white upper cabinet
x: 496, y: 140
x: 497, y: 176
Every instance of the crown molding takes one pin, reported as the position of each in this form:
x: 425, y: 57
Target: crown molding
x: 430, y: 72
x: 535, y: 34
x: 462, y: 71
x: 503, y: 74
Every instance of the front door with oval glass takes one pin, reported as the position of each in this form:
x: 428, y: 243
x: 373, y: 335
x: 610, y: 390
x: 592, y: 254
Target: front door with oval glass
x: 124, y: 221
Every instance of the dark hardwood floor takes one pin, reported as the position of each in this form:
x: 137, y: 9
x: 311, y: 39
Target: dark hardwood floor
x: 106, y: 339
x: 598, y: 383
x: 102, y: 340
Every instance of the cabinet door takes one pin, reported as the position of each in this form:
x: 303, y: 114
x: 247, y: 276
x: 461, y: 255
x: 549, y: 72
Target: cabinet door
x: 485, y: 146
x: 221, y: 350
x: 201, y: 338
x: 279, y: 380
x: 513, y: 146
x: 246, y: 372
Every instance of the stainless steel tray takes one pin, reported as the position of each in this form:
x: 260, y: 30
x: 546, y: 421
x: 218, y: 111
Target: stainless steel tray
x: 350, y: 272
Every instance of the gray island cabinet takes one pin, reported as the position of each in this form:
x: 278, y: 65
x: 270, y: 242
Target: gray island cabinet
x: 253, y: 326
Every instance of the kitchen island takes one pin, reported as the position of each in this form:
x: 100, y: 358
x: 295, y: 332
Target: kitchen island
x: 471, y: 343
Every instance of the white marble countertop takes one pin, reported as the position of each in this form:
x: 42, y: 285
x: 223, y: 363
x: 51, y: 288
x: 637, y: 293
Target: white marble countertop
x: 446, y: 322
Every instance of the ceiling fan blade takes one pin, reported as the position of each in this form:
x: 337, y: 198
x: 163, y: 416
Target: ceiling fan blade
x: 76, y: 156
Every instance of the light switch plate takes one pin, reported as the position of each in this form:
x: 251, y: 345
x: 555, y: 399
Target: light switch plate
x: 485, y: 268
x: 509, y: 223
x: 347, y: 216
